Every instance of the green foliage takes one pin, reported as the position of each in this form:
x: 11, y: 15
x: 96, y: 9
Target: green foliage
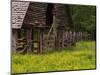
x: 84, y: 17
x: 80, y: 57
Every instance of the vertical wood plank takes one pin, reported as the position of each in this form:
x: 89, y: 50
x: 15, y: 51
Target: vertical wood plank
x: 41, y: 40
x: 29, y: 41
x: 14, y: 41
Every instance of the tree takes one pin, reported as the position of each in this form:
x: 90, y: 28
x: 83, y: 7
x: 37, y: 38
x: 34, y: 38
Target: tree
x: 84, y: 17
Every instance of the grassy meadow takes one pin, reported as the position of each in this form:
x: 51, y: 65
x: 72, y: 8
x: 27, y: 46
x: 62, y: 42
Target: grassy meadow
x: 82, y: 56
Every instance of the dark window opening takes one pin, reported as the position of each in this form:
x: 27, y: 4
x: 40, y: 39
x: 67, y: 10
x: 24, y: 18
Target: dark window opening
x: 49, y: 14
x: 19, y: 33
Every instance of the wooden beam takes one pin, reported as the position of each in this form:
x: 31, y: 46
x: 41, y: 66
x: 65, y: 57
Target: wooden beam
x: 14, y: 41
x: 29, y: 40
x: 41, y: 40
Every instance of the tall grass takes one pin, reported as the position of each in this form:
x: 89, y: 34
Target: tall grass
x: 82, y: 56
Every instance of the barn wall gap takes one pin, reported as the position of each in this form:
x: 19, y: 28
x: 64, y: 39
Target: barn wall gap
x: 49, y: 14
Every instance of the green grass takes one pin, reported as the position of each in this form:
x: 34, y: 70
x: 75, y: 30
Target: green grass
x: 82, y: 56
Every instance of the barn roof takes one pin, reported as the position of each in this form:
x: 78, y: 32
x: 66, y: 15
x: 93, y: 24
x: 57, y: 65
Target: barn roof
x: 36, y: 14
x: 19, y: 10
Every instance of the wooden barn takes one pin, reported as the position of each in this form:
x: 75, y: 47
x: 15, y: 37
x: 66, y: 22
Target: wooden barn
x: 39, y: 27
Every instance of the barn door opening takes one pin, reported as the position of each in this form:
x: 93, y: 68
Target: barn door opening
x: 35, y: 38
x: 49, y: 14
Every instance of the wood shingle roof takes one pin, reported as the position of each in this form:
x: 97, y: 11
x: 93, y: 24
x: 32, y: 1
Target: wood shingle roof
x: 19, y: 10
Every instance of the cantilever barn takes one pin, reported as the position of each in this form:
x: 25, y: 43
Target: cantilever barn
x: 39, y: 27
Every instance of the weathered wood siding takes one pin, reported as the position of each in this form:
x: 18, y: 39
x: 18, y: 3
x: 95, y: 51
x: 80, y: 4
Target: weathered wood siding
x: 36, y: 14
x: 61, y: 15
